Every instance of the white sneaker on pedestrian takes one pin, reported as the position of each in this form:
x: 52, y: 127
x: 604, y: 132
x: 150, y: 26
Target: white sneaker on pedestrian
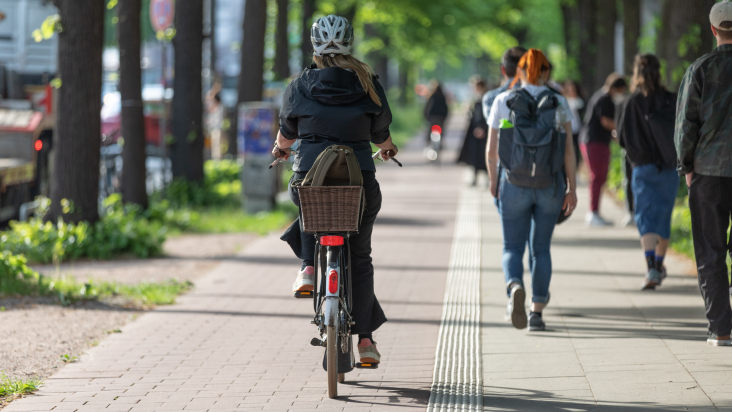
x: 594, y: 219
x: 628, y: 220
x: 516, y: 310
x: 304, y: 281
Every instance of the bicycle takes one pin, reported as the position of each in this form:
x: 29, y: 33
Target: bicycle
x: 332, y: 214
x: 433, y: 150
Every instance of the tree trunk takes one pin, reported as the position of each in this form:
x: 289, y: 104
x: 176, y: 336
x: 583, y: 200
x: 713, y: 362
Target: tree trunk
x: 588, y: 47
x: 570, y: 13
x: 77, y: 136
x: 631, y: 33
x: 405, y: 92
x: 380, y: 63
x: 251, y: 77
x: 349, y: 12
x: 187, y: 149
x: 130, y: 88
x: 282, y: 44
x: 308, y: 9
x: 606, y: 17
x: 684, y: 36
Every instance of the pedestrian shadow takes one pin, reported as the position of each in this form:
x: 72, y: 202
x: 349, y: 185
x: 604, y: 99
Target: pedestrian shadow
x: 597, y: 243
x: 528, y: 400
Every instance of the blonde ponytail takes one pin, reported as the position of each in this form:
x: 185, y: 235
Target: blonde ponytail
x: 362, y: 70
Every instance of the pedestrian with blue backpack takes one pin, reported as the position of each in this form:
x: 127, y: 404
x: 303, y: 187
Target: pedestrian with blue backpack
x: 532, y: 166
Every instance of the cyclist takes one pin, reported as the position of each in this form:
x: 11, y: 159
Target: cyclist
x: 338, y: 100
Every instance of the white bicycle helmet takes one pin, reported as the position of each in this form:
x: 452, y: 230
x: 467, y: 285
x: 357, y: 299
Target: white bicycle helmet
x: 331, y: 35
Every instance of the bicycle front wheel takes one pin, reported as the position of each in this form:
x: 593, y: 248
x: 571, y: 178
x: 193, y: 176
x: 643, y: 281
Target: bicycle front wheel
x: 332, y: 361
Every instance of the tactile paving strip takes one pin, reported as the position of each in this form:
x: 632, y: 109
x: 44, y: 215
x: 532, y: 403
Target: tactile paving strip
x: 457, y: 383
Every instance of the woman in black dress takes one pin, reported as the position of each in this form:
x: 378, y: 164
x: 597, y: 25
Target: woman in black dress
x: 473, y: 151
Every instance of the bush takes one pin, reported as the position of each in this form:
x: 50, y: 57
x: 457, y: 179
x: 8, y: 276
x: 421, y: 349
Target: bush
x: 681, y: 238
x: 121, y: 229
x: 221, y: 186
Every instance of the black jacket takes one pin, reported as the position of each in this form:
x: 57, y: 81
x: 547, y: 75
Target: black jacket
x: 634, y: 130
x: 436, y: 105
x: 328, y: 106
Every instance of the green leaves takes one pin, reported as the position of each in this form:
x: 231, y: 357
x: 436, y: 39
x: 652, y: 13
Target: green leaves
x: 51, y: 25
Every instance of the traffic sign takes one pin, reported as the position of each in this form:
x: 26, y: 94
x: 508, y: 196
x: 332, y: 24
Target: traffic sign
x: 161, y: 14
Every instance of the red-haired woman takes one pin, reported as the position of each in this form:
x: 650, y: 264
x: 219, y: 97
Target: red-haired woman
x: 531, y: 212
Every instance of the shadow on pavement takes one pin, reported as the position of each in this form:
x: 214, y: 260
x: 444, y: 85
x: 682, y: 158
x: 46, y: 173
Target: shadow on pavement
x: 410, y: 397
x: 495, y: 398
x: 405, y: 221
x: 597, y: 243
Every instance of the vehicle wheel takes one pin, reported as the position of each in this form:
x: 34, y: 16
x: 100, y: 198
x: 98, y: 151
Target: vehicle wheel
x: 332, y: 361
x: 341, y: 377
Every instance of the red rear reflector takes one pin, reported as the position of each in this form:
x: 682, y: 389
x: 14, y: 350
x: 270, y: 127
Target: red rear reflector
x: 333, y: 281
x: 38, y: 145
x: 436, y: 129
x: 331, y: 240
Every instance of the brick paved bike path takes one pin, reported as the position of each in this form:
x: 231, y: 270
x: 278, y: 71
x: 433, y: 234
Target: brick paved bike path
x: 241, y: 342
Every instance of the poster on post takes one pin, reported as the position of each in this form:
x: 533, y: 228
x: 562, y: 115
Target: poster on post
x: 258, y: 125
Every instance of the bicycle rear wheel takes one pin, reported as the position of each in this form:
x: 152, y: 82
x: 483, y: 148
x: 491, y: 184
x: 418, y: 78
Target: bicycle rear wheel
x: 332, y: 361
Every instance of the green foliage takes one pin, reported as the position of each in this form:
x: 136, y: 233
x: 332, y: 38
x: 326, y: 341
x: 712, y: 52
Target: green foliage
x: 17, y: 386
x: 616, y: 172
x: 51, y: 25
x: 66, y: 358
x: 406, y: 122
x: 122, y: 229
x: 16, y: 278
x: 221, y: 186
x: 681, y: 239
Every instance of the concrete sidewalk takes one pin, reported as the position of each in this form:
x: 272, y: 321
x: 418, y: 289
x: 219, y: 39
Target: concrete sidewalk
x: 609, y: 345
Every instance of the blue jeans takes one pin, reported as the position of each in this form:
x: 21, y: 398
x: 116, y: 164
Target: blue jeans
x: 529, y: 213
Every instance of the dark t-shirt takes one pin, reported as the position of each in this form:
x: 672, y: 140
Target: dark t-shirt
x: 595, y: 131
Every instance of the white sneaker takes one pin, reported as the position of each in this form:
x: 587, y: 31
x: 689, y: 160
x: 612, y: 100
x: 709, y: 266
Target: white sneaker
x: 304, y: 281
x: 594, y: 219
x: 628, y: 220
x: 516, y: 309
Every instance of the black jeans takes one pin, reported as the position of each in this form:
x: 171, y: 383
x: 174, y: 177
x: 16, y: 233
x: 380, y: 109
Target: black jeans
x: 367, y: 312
x: 710, y: 201
x: 628, y: 180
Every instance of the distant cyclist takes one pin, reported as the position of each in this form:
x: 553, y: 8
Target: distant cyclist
x: 338, y: 100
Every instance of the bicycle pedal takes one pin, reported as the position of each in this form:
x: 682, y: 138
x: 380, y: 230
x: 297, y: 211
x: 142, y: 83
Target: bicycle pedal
x: 360, y: 365
x: 304, y: 294
x: 317, y: 342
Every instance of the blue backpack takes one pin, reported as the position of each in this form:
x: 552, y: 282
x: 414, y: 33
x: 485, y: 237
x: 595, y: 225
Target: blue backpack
x: 532, y: 151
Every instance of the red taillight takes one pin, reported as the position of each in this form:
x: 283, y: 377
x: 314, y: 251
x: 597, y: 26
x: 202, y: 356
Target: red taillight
x: 333, y: 281
x: 38, y: 145
x: 331, y: 240
x: 436, y: 129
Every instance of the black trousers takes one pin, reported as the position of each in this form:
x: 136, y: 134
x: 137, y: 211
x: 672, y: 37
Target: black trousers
x: 367, y: 312
x: 710, y: 201
x: 628, y: 180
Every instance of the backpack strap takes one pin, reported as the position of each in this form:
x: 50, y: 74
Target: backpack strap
x: 354, y: 168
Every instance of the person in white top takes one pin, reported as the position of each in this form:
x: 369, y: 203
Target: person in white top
x: 530, y: 211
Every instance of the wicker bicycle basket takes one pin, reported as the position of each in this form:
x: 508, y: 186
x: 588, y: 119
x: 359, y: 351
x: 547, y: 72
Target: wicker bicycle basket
x: 330, y: 208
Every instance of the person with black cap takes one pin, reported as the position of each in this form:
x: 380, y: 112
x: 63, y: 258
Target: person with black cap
x: 704, y: 148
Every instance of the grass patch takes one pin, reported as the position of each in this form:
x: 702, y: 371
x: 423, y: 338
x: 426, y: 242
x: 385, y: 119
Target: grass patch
x: 234, y: 219
x: 17, y: 279
x: 10, y: 387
